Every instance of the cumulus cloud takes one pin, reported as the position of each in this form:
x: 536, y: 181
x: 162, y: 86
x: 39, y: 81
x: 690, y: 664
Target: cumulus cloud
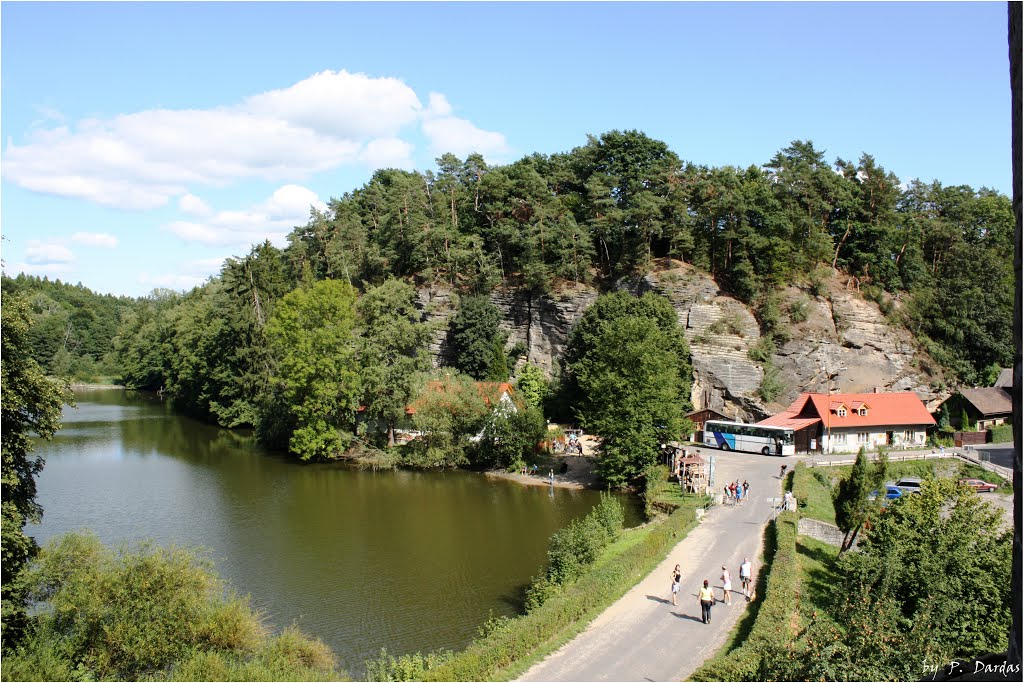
x: 460, y: 137
x: 43, y: 253
x: 95, y: 239
x: 145, y: 159
x: 191, y: 204
x: 271, y: 219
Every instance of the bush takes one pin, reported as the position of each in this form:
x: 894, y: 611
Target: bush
x: 148, y: 612
x: 762, y: 351
x: 1000, y: 434
x: 655, y: 477
x: 771, y: 384
x: 409, y: 667
x: 798, y: 311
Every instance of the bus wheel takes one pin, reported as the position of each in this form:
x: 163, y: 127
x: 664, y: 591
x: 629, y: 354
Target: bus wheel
x: 766, y: 451
x: 725, y: 446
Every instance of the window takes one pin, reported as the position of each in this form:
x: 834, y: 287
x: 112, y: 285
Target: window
x: 841, y: 412
x: 863, y: 411
x: 863, y: 437
x: 840, y: 438
x: 908, y: 436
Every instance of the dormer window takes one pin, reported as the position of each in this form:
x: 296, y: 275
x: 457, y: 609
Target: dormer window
x: 863, y: 411
x: 841, y: 412
x: 860, y: 408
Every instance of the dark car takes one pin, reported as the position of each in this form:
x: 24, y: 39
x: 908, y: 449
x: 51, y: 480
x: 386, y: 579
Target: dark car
x: 891, y: 491
x: 909, y: 485
x: 979, y: 485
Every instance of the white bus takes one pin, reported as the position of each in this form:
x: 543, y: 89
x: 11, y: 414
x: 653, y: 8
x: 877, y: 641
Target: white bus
x: 738, y: 436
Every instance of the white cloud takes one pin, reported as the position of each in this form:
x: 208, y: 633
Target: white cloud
x: 48, y: 269
x: 95, y: 239
x: 191, y: 204
x: 438, y: 106
x: 145, y: 159
x: 47, y: 253
x: 342, y: 104
x: 460, y: 137
x: 388, y: 153
x: 271, y: 219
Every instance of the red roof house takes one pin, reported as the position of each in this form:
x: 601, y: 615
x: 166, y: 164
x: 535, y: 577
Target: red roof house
x: 842, y: 423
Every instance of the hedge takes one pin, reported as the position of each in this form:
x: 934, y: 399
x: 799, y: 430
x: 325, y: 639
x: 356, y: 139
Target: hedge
x: 752, y: 661
x: 515, y: 641
x: 1000, y: 434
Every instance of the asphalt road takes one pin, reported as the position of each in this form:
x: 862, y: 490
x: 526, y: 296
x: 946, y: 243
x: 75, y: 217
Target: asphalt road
x: 1000, y: 453
x: 643, y: 636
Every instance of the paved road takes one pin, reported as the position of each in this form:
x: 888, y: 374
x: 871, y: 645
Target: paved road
x: 643, y: 636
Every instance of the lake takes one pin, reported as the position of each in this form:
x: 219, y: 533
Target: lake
x: 407, y: 560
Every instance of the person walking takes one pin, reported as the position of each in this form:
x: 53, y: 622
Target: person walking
x: 677, y: 576
x: 726, y: 586
x: 782, y: 471
x: 745, y: 578
x: 706, y: 598
x: 746, y: 488
x: 739, y: 493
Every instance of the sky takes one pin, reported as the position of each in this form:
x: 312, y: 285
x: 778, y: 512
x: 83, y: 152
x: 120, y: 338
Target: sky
x: 144, y: 143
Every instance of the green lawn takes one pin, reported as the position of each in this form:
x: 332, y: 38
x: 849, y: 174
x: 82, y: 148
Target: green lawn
x: 817, y: 574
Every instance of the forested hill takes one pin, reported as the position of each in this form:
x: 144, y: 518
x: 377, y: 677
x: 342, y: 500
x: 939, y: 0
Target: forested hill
x: 937, y: 259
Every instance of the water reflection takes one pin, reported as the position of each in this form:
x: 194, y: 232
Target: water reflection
x: 405, y: 560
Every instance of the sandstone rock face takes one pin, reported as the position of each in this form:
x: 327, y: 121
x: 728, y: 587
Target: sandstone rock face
x: 842, y: 336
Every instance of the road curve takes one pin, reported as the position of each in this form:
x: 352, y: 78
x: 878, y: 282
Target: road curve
x: 642, y: 636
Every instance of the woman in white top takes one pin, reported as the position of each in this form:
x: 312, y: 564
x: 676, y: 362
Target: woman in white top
x: 726, y: 586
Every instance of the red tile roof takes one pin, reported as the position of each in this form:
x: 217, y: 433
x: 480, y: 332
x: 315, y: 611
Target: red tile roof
x: 893, y: 409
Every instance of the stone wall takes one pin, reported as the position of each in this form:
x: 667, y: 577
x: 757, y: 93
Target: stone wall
x: 822, y: 531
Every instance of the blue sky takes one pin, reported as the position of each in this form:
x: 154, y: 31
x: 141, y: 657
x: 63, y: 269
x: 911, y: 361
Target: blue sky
x: 143, y: 143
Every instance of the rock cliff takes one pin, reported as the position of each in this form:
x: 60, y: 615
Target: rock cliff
x: 838, y: 335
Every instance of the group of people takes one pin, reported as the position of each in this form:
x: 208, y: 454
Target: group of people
x: 735, y: 491
x: 706, y: 594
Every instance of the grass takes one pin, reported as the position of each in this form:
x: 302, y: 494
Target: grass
x: 813, y: 486
x: 817, y: 561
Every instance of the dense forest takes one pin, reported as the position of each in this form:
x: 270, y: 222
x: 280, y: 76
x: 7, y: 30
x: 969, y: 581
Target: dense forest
x: 938, y: 259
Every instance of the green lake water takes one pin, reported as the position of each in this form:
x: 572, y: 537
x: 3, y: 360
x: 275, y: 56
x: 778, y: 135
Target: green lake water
x: 410, y: 561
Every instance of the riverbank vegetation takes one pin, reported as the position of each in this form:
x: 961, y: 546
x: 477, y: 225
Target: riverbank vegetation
x: 148, y: 613
x: 930, y: 579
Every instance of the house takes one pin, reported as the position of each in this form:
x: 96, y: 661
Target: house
x: 985, y: 407
x: 842, y: 423
x: 499, y: 397
x: 699, y: 417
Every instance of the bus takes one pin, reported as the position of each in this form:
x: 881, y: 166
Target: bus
x: 738, y: 436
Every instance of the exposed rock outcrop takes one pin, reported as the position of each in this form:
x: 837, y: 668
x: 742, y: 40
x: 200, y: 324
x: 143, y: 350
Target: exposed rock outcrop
x: 839, y: 335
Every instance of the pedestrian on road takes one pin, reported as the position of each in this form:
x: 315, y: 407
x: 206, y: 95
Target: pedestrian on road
x: 739, y: 493
x: 726, y: 586
x: 677, y: 576
x: 745, y: 578
x: 746, y: 488
x: 706, y: 599
x: 782, y: 471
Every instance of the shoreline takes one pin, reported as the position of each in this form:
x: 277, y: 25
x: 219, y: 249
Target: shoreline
x: 580, y: 475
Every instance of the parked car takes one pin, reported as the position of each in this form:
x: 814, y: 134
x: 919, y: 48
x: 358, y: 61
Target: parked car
x: 979, y: 485
x: 891, y: 492
x: 909, y: 485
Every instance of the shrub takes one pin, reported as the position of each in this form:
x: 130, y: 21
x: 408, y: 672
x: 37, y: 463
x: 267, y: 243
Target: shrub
x: 1000, y: 434
x: 655, y: 475
x: 798, y: 311
x: 771, y: 384
x: 148, y: 611
x: 762, y: 351
x: 408, y: 667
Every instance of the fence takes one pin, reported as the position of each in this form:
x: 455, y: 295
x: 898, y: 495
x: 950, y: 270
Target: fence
x: 961, y: 439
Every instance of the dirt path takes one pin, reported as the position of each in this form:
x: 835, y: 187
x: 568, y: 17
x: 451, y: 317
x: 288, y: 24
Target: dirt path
x: 643, y: 636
